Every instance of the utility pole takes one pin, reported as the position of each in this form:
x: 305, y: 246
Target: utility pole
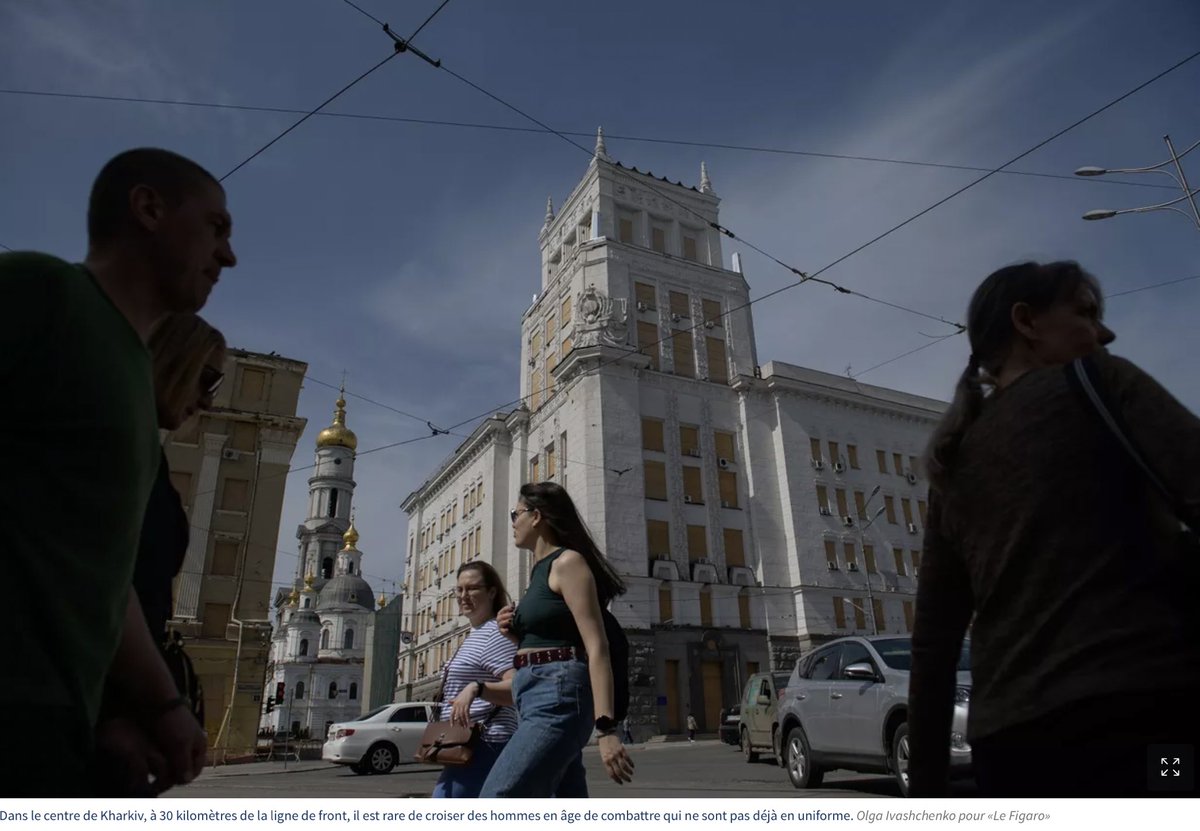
x: 862, y: 543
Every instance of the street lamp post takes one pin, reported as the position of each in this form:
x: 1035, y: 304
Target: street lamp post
x: 1188, y: 196
x: 862, y: 544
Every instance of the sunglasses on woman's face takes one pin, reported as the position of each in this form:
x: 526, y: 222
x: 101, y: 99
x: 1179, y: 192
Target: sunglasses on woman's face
x: 210, y: 380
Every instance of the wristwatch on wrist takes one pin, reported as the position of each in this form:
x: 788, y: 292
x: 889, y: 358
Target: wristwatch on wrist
x: 606, y: 726
x: 479, y: 688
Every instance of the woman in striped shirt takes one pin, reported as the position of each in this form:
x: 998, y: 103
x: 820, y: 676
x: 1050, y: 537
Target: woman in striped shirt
x: 477, y: 681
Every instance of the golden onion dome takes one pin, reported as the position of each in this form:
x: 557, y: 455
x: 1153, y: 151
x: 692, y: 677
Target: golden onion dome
x: 338, y: 434
x: 382, y: 601
x: 308, y: 584
x: 350, y: 537
x: 294, y: 597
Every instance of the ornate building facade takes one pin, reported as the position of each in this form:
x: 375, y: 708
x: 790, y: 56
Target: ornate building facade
x: 739, y: 501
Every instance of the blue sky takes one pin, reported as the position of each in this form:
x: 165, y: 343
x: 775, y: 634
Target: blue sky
x: 405, y: 254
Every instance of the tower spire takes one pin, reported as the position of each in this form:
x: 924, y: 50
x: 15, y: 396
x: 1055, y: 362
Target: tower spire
x: 705, y: 182
x: 549, y: 212
x: 601, y: 150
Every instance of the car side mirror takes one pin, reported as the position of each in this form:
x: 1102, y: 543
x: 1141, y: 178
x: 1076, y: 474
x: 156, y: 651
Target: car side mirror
x: 764, y: 701
x: 860, y: 672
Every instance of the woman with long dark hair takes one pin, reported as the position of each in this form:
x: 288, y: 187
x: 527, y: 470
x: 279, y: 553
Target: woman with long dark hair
x: 477, y: 681
x: 1048, y: 540
x: 564, y: 682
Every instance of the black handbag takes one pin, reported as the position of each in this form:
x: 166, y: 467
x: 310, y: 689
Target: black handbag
x: 186, y: 680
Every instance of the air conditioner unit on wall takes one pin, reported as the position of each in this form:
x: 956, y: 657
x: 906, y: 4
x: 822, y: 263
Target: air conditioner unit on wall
x: 675, y: 318
x: 848, y: 521
x: 852, y: 567
x: 825, y: 511
x: 833, y: 566
x: 708, y: 324
x: 722, y: 463
x: 911, y: 477
x: 912, y: 528
x: 687, y: 499
x: 230, y: 455
x: 838, y: 467
x: 693, y: 451
x: 725, y: 504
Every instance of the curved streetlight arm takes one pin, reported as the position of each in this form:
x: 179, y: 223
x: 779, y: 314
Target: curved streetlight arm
x: 1182, y: 213
x: 1154, y: 168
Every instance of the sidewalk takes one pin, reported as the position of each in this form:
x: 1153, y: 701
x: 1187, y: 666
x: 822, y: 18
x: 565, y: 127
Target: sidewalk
x: 261, y: 768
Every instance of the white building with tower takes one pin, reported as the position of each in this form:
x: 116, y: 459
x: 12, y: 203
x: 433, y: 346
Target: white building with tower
x: 318, y: 647
x: 753, y: 509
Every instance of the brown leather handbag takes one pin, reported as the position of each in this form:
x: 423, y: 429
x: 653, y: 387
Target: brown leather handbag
x: 449, y: 744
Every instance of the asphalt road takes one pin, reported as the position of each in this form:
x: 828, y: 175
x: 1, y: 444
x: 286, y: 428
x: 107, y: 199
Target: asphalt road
x: 706, y: 769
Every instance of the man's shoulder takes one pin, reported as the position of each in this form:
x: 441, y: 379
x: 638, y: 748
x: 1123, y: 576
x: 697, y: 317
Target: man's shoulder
x: 34, y: 271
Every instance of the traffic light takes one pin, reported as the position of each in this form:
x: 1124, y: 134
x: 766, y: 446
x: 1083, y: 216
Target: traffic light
x: 279, y: 690
x: 270, y: 704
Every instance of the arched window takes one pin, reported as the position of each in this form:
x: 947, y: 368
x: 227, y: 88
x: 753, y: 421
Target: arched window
x: 304, y: 646
x: 353, y: 691
x: 333, y: 689
x: 348, y: 640
x: 327, y: 567
x: 300, y: 689
x: 333, y: 500
x: 324, y: 638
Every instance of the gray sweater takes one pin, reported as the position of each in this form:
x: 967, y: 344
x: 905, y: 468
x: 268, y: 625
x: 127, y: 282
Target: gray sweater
x: 1055, y: 549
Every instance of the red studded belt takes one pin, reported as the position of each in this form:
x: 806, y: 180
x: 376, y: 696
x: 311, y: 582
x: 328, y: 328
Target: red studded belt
x: 549, y: 656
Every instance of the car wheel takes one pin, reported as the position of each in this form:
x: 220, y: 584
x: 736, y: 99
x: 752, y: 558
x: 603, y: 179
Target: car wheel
x: 797, y: 758
x: 381, y: 758
x: 900, y: 757
x: 747, y: 752
x: 360, y: 768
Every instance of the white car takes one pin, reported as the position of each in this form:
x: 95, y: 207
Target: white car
x: 377, y: 741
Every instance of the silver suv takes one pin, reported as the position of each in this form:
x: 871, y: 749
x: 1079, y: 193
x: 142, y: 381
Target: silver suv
x: 846, y: 706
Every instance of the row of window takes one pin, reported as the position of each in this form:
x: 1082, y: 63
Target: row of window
x: 655, y: 474
x: 850, y: 558
x: 431, y: 659
x: 658, y: 542
x: 679, y: 304
x: 298, y: 691
x: 436, y: 529
x: 689, y: 440
x: 550, y: 462
x: 347, y: 641
x: 657, y: 237
x: 683, y: 357
x: 860, y: 506
x: 841, y: 604
x: 667, y: 607
x: 448, y: 561
x: 554, y: 323
x: 837, y: 461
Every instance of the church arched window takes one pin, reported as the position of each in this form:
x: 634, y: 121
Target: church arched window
x: 327, y: 567
x: 299, y: 689
x: 353, y: 691
x: 348, y: 640
x: 333, y: 500
x: 333, y: 689
x: 324, y: 638
x: 304, y: 646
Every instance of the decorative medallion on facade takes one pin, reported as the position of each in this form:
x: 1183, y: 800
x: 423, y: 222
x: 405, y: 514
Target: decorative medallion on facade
x: 603, y: 321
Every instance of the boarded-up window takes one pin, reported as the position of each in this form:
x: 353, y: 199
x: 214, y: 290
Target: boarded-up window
x: 689, y: 441
x: 243, y: 436
x: 625, y: 230
x: 901, y: 568
x: 689, y: 247
x: 712, y: 312
x: 922, y: 509
x: 234, y: 495
x: 216, y: 618
x: 656, y: 480
x: 652, y: 434
x: 644, y: 293
x: 679, y: 304
x: 692, y: 489
x: 566, y: 311
x: 735, y: 553
x: 224, y: 557
x: 851, y: 553
x: 852, y: 455
x: 839, y: 613
x: 727, y: 482
x: 535, y: 389
x: 182, y: 482
x: 665, y: 613
x: 705, y: 607
x: 681, y: 350
x: 551, y: 467
x: 744, y: 611
x: 724, y: 445
x: 718, y: 367
x: 908, y: 615
x: 822, y: 498
x: 906, y: 507
x: 890, y: 503
x: 860, y: 620
x: 658, y: 239
x: 916, y: 560
x: 697, y: 542
x: 658, y: 538
x: 881, y: 458
x: 551, y: 329
x: 869, y: 557
x: 914, y: 465
x: 535, y: 469
x: 898, y: 464
x: 254, y: 383
x: 860, y: 504
x: 835, y: 454
x: 814, y: 447
x: 877, y: 612
x: 842, y: 508
x: 648, y: 341
x: 831, y: 552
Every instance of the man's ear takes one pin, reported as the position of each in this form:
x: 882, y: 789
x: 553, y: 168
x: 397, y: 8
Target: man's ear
x: 1024, y: 321
x: 146, y: 206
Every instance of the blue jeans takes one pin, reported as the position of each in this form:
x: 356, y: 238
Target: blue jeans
x: 465, y: 782
x: 545, y: 756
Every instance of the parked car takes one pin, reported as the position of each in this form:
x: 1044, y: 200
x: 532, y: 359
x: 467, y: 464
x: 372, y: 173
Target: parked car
x: 759, y: 724
x: 730, y: 723
x: 846, y: 707
x: 377, y: 741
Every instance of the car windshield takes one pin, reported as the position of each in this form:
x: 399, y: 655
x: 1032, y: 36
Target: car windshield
x: 897, y: 653
x: 373, y: 713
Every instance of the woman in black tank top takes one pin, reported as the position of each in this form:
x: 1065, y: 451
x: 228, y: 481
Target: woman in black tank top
x: 564, y: 682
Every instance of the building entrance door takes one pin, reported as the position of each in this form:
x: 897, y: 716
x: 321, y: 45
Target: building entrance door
x: 710, y: 672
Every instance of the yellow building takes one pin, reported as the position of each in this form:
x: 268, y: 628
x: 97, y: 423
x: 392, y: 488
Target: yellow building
x: 230, y: 467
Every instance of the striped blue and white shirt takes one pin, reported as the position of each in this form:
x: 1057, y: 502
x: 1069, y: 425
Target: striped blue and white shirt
x: 484, y: 656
